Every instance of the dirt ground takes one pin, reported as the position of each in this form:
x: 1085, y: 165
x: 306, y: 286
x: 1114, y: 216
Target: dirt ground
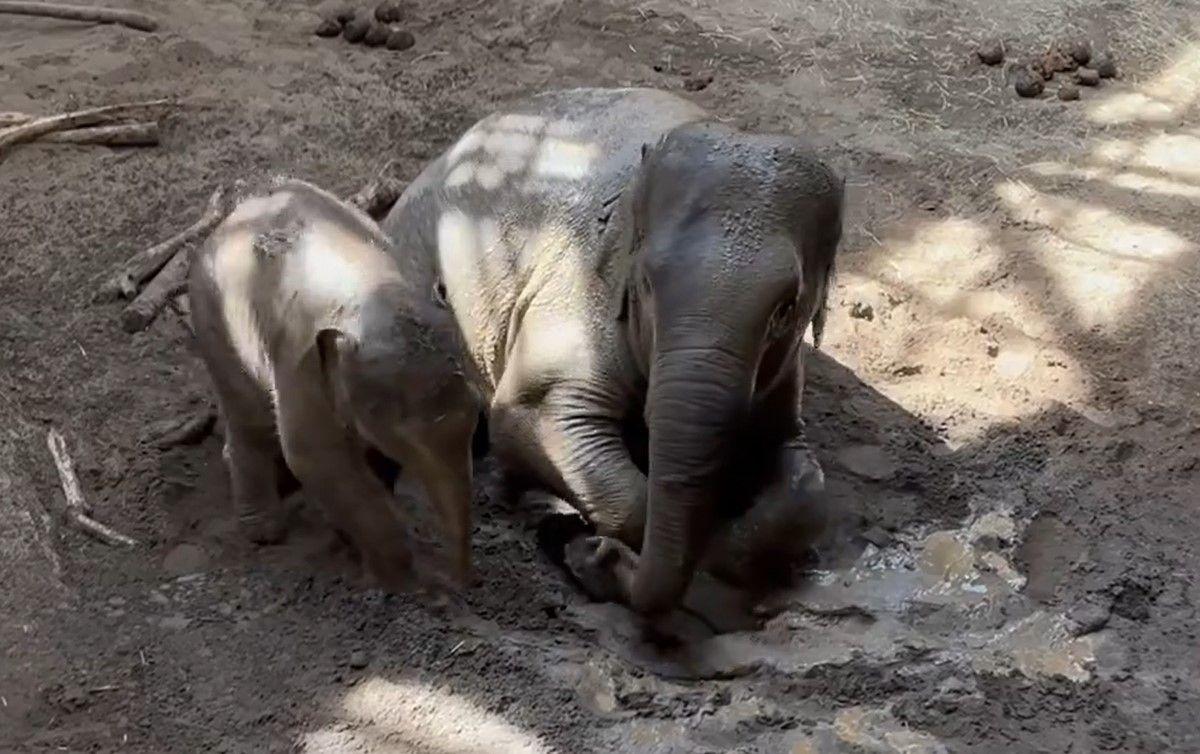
x: 1006, y: 404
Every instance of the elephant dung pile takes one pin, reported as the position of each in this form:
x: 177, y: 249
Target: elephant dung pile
x: 359, y: 26
x: 1073, y: 56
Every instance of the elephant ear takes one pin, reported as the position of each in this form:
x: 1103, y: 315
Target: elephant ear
x: 331, y: 348
x: 627, y: 242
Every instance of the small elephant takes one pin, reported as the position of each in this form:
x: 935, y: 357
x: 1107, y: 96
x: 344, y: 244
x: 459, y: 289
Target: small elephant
x: 633, y: 279
x: 322, y: 351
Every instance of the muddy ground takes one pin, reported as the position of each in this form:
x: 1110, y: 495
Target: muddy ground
x: 1006, y: 405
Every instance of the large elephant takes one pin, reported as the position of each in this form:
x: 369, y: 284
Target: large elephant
x: 633, y: 279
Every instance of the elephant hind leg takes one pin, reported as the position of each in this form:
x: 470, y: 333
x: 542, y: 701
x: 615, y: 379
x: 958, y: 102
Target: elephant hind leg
x: 758, y: 548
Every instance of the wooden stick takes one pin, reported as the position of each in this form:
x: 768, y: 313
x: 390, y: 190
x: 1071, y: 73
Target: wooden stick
x: 14, y: 119
x: 122, y: 135
x: 378, y: 196
x: 77, y: 507
x: 141, y: 266
x: 132, y: 19
x: 168, y: 283
x: 38, y: 127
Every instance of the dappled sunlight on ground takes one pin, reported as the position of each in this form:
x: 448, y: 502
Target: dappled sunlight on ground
x: 409, y: 717
x: 1162, y: 99
x: 1098, y: 258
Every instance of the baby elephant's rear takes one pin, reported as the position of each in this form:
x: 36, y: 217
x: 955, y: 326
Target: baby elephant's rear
x: 320, y: 349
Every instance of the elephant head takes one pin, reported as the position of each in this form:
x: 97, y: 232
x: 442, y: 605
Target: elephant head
x: 733, y: 243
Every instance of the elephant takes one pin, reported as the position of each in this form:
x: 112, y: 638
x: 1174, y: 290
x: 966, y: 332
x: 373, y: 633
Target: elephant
x: 323, y: 353
x: 633, y: 279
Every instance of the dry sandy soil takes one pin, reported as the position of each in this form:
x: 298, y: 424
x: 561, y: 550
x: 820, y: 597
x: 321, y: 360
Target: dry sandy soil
x: 1006, y: 406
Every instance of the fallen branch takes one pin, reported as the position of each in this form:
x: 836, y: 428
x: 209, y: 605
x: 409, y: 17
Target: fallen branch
x: 77, y: 508
x: 123, y: 135
x: 132, y: 19
x: 14, y: 119
x: 141, y: 266
x: 39, y: 127
x: 182, y: 430
x: 378, y: 196
x: 168, y: 283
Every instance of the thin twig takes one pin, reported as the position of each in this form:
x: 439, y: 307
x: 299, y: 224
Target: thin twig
x: 77, y: 508
x: 121, y: 135
x: 14, y: 119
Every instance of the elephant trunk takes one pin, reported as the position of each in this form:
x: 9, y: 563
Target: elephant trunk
x: 697, y: 395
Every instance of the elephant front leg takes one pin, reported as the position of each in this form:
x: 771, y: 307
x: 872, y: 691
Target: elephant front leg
x: 786, y: 516
x: 570, y: 442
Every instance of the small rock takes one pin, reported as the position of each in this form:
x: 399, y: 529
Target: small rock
x: 175, y: 623
x: 877, y: 536
x: 344, y: 14
x: 185, y: 559
x: 988, y: 542
x: 862, y: 310
x: 1068, y: 92
x: 867, y: 461
x: 1080, y: 51
x: 1027, y: 83
x: 359, y: 659
x: 1088, y: 617
x: 377, y: 35
x: 159, y: 598
x: 328, y: 28
x: 698, y: 82
x: 1087, y: 77
x: 356, y: 29
x: 990, y: 52
x: 388, y: 12
x: 1105, y: 65
x: 116, y: 601
x: 400, y: 40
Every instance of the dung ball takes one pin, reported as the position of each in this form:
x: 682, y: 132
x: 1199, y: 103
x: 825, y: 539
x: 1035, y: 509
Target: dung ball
x: 1080, y: 50
x: 1105, y: 65
x: 400, y: 40
x: 1068, y: 92
x: 329, y: 27
x: 377, y: 35
x: 388, y: 12
x: 990, y: 52
x: 356, y: 29
x: 1027, y: 83
x: 1087, y: 77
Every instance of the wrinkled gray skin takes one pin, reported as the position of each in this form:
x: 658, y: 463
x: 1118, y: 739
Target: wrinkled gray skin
x: 320, y: 349
x: 633, y: 280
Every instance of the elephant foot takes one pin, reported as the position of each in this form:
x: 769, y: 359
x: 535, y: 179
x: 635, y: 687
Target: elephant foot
x: 262, y: 528
x: 603, y: 566
x: 558, y: 530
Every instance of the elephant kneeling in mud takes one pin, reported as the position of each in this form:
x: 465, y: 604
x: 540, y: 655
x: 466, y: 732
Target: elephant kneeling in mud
x: 321, y: 351
x: 633, y: 280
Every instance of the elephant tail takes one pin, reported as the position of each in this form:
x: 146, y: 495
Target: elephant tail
x: 818, y: 320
